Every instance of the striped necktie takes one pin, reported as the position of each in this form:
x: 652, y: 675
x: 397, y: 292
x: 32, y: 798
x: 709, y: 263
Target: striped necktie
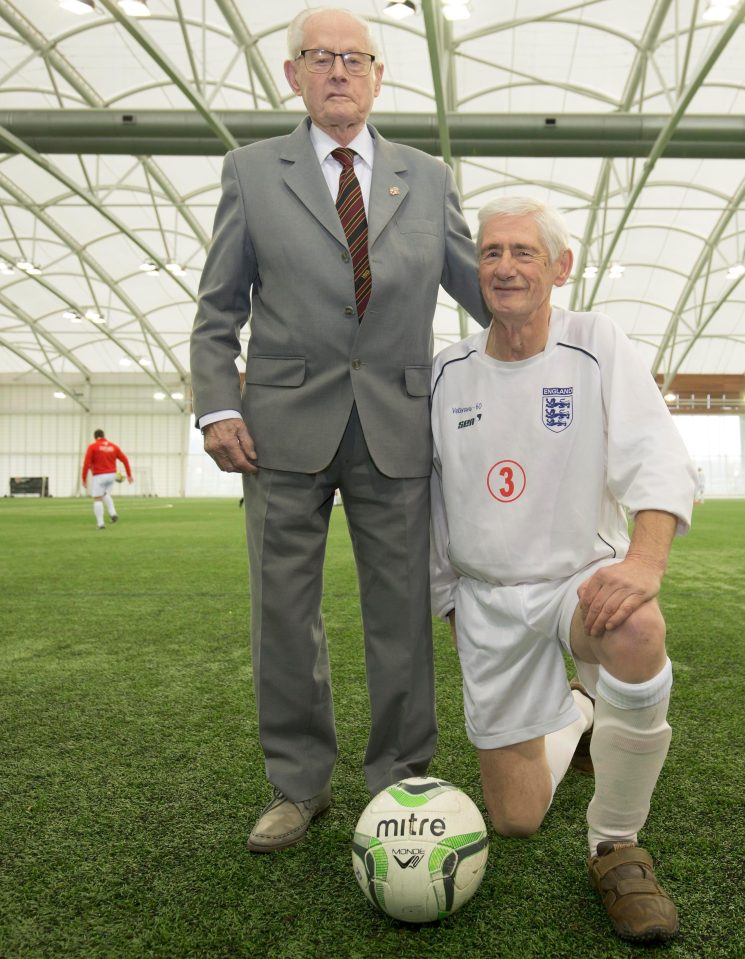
x: 351, y: 209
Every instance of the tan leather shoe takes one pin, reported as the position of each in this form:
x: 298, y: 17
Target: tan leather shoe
x: 283, y: 822
x: 638, y: 906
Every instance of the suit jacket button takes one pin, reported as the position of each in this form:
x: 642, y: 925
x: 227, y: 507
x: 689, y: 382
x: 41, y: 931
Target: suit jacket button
x: 345, y: 257
x: 348, y: 311
x: 356, y: 364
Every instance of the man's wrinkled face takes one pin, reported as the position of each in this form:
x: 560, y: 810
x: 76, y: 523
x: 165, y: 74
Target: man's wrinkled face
x: 335, y: 99
x: 515, y: 269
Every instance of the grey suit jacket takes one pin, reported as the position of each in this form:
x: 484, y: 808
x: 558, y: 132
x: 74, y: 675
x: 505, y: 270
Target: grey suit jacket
x: 279, y: 255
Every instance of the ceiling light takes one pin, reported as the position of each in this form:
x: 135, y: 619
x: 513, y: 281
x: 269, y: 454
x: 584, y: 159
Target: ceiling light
x: 72, y: 315
x: 148, y: 266
x: 177, y: 396
x: 59, y: 395
x: 589, y: 272
x: 134, y: 8
x: 176, y: 269
x: 125, y: 361
x: 28, y: 267
x: 145, y: 361
x: 671, y: 397
x: 94, y: 316
x: 717, y: 11
x: 456, y: 11
x: 735, y: 272
x: 159, y: 396
x: 400, y: 9
x: 616, y: 271
x: 6, y: 269
x: 77, y: 6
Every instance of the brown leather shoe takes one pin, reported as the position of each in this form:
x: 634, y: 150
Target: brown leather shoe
x: 283, y: 822
x: 581, y: 760
x: 638, y: 906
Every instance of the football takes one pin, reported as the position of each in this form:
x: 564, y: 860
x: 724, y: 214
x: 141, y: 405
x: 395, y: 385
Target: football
x: 119, y: 477
x: 419, y: 850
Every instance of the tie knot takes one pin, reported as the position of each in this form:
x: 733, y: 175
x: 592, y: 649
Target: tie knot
x: 345, y: 156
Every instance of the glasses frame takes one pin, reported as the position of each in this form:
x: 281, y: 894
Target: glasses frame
x: 331, y: 53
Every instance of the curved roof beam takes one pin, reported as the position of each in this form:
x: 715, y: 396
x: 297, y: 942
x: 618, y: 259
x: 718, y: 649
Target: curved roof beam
x: 703, y: 263
x: 635, y: 301
x: 254, y: 61
x: 510, y: 180
x: 177, y: 199
x: 138, y: 34
x: 691, y: 188
x: 725, y: 35
x: 41, y: 45
x: 96, y: 268
x: 12, y: 307
x: 667, y: 227
x: 633, y: 84
x: 531, y: 81
x: 45, y: 91
x: 63, y: 387
x: 506, y: 25
x: 698, y: 332
x: 20, y: 146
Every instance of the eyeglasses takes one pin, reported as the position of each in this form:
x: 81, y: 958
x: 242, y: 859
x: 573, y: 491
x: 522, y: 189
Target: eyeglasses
x: 322, y: 61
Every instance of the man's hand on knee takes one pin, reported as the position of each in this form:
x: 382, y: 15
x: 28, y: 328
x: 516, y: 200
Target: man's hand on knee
x: 613, y: 593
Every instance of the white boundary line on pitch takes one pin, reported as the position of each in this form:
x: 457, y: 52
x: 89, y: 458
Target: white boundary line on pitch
x: 79, y: 504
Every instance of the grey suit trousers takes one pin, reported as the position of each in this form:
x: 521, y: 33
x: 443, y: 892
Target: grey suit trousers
x: 287, y: 518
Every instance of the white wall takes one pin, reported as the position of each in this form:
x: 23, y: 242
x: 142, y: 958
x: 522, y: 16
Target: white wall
x: 716, y: 444
x: 44, y: 436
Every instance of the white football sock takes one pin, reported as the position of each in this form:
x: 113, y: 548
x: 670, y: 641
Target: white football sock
x: 109, y: 504
x: 629, y: 745
x: 98, y: 511
x: 560, y: 745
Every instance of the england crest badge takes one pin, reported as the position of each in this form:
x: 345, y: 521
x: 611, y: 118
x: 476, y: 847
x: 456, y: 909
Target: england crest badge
x: 558, y: 407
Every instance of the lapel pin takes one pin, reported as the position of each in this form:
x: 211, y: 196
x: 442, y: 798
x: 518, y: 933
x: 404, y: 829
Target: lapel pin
x: 393, y: 190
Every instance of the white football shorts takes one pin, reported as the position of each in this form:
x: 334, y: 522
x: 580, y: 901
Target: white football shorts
x: 102, y: 483
x: 511, y: 641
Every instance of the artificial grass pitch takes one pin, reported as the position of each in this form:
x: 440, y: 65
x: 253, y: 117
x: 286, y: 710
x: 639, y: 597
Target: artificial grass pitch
x: 130, y: 771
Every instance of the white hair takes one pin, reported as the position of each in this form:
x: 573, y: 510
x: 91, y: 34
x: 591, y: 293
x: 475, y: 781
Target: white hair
x: 551, y: 226
x: 297, y: 26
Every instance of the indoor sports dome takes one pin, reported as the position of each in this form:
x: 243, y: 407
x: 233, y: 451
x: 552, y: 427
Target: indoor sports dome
x: 115, y: 116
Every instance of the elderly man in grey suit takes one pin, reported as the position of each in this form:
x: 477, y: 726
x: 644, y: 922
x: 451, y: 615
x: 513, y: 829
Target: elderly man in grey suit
x: 337, y: 257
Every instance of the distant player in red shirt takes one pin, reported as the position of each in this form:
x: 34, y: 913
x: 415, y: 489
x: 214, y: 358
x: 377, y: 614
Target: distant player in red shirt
x: 100, y: 459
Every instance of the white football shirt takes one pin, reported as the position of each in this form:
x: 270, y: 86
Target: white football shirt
x: 535, y: 461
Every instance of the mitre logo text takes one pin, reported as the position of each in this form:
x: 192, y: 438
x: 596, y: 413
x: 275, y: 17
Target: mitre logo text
x: 413, y: 826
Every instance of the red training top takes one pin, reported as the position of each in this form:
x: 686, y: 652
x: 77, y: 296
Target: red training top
x: 101, y: 457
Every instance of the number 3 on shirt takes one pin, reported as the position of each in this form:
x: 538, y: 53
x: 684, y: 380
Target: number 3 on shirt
x: 506, y: 481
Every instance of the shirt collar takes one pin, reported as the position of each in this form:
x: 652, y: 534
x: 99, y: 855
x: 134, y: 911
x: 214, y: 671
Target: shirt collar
x: 323, y: 144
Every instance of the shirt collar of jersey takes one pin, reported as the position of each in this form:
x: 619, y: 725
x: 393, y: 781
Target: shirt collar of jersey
x: 323, y: 144
x: 555, y: 327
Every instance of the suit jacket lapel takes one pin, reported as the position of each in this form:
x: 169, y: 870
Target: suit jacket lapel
x: 302, y: 174
x: 388, y: 189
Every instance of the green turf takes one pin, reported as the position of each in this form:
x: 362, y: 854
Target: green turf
x: 130, y: 770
